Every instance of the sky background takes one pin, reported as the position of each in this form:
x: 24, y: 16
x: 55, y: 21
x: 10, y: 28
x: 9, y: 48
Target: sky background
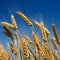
x: 47, y: 11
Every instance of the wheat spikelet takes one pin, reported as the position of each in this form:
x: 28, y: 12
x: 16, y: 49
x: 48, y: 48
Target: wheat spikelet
x: 24, y: 18
x: 36, y: 38
x: 8, y: 25
x: 47, y: 32
x: 49, y: 50
x: 7, y: 32
x: 37, y: 24
x: 47, y: 56
x: 47, y: 45
x: 44, y: 31
x: 25, y: 49
x: 13, y: 21
x: 40, y: 51
x: 55, y: 33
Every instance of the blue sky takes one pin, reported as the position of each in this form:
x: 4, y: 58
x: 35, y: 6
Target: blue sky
x: 46, y: 10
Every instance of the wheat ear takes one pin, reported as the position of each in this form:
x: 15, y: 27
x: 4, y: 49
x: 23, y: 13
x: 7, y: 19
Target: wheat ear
x: 43, y: 30
x: 55, y: 33
x: 24, y: 18
x: 13, y: 21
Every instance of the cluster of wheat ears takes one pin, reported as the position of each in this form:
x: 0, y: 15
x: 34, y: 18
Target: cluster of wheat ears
x: 26, y: 49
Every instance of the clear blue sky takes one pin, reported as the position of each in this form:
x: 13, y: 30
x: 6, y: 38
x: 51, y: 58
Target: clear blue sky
x: 47, y: 10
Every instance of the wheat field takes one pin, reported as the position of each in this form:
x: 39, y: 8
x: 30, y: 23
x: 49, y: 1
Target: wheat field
x: 26, y: 49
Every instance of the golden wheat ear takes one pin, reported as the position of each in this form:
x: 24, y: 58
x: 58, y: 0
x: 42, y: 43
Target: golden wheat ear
x: 20, y: 14
x: 7, y: 32
x: 25, y: 48
x: 55, y: 33
x: 13, y: 21
x: 36, y: 38
x: 8, y: 25
x: 44, y: 31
